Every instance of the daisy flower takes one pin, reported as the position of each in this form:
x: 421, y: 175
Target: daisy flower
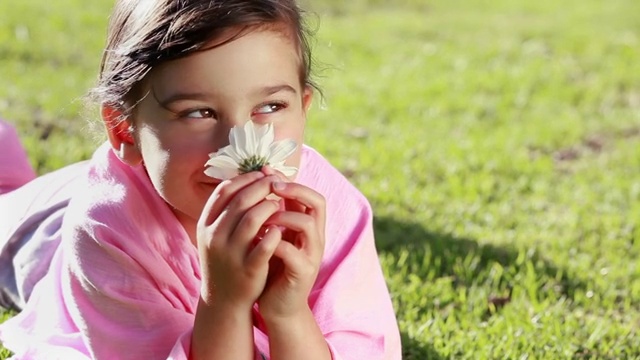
x: 250, y: 148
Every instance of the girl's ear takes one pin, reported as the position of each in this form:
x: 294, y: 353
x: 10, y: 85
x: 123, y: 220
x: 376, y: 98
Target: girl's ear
x: 307, y: 98
x: 120, y: 134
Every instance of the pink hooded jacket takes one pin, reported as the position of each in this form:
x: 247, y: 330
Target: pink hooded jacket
x: 124, y: 281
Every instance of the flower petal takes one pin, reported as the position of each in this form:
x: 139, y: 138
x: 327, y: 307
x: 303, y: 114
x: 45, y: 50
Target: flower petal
x: 232, y: 153
x: 250, y: 138
x: 226, y: 151
x: 222, y: 161
x: 265, y: 138
x: 284, y: 169
x: 262, y: 131
x: 279, y: 151
x: 237, y: 140
x: 221, y: 173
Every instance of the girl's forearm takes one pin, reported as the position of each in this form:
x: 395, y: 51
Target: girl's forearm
x: 222, y: 332
x: 297, y: 338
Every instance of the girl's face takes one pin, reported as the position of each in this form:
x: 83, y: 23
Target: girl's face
x: 193, y: 102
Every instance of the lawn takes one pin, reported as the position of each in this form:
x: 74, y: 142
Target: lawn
x: 496, y: 140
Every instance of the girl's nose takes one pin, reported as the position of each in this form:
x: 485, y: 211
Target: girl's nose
x: 238, y: 121
x: 223, y: 130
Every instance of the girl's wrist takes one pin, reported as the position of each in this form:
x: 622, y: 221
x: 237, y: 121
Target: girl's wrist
x: 226, y: 310
x: 274, y: 320
x: 221, y: 330
x: 296, y: 336
x: 219, y: 304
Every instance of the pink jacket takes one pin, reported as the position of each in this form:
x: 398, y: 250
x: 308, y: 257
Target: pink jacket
x: 124, y: 282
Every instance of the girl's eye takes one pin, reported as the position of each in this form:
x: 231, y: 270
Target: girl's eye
x: 199, y: 114
x: 269, y: 108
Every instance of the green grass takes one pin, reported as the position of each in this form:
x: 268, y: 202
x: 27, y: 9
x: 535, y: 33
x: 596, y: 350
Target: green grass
x: 496, y: 140
x: 4, y: 353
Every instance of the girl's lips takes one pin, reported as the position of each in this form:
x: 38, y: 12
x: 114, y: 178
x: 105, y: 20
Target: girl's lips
x: 211, y: 184
x: 209, y: 181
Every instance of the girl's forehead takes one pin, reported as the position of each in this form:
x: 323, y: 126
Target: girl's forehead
x: 235, y: 42
x: 259, y: 57
x: 278, y: 29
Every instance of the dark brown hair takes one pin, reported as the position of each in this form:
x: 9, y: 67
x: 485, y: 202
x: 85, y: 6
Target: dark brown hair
x: 143, y: 34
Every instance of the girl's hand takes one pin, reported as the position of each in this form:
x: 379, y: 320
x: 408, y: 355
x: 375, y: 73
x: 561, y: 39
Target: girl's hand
x: 234, y: 263
x: 294, y: 267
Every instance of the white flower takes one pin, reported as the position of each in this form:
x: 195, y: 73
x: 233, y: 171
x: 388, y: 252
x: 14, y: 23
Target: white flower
x: 250, y: 148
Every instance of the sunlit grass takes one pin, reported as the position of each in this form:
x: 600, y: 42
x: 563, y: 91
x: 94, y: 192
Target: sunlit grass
x: 4, y: 315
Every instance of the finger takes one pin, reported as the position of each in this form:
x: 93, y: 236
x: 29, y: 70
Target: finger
x: 296, y: 265
x: 249, y: 225
x: 268, y: 170
x: 243, y: 200
x: 309, y: 236
x: 312, y: 201
x: 295, y: 221
x: 223, y: 193
x: 227, y: 193
x: 265, y: 248
x: 250, y: 195
x: 293, y: 205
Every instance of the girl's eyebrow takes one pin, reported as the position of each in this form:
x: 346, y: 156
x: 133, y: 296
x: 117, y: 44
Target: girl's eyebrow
x: 182, y: 96
x: 263, y: 91
x: 270, y: 90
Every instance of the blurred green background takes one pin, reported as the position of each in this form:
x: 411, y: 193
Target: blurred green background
x: 496, y: 140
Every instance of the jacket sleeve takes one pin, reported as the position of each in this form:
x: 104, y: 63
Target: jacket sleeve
x: 128, y: 299
x: 127, y: 303
x: 100, y: 302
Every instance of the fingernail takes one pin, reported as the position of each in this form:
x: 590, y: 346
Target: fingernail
x: 278, y: 185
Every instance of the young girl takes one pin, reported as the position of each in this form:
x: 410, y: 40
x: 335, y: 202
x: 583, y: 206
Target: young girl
x: 158, y: 260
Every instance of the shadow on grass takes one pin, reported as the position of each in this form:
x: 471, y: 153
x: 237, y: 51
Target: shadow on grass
x: 435, y: 255
x: 415, y: 350
x: 447, y: 251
